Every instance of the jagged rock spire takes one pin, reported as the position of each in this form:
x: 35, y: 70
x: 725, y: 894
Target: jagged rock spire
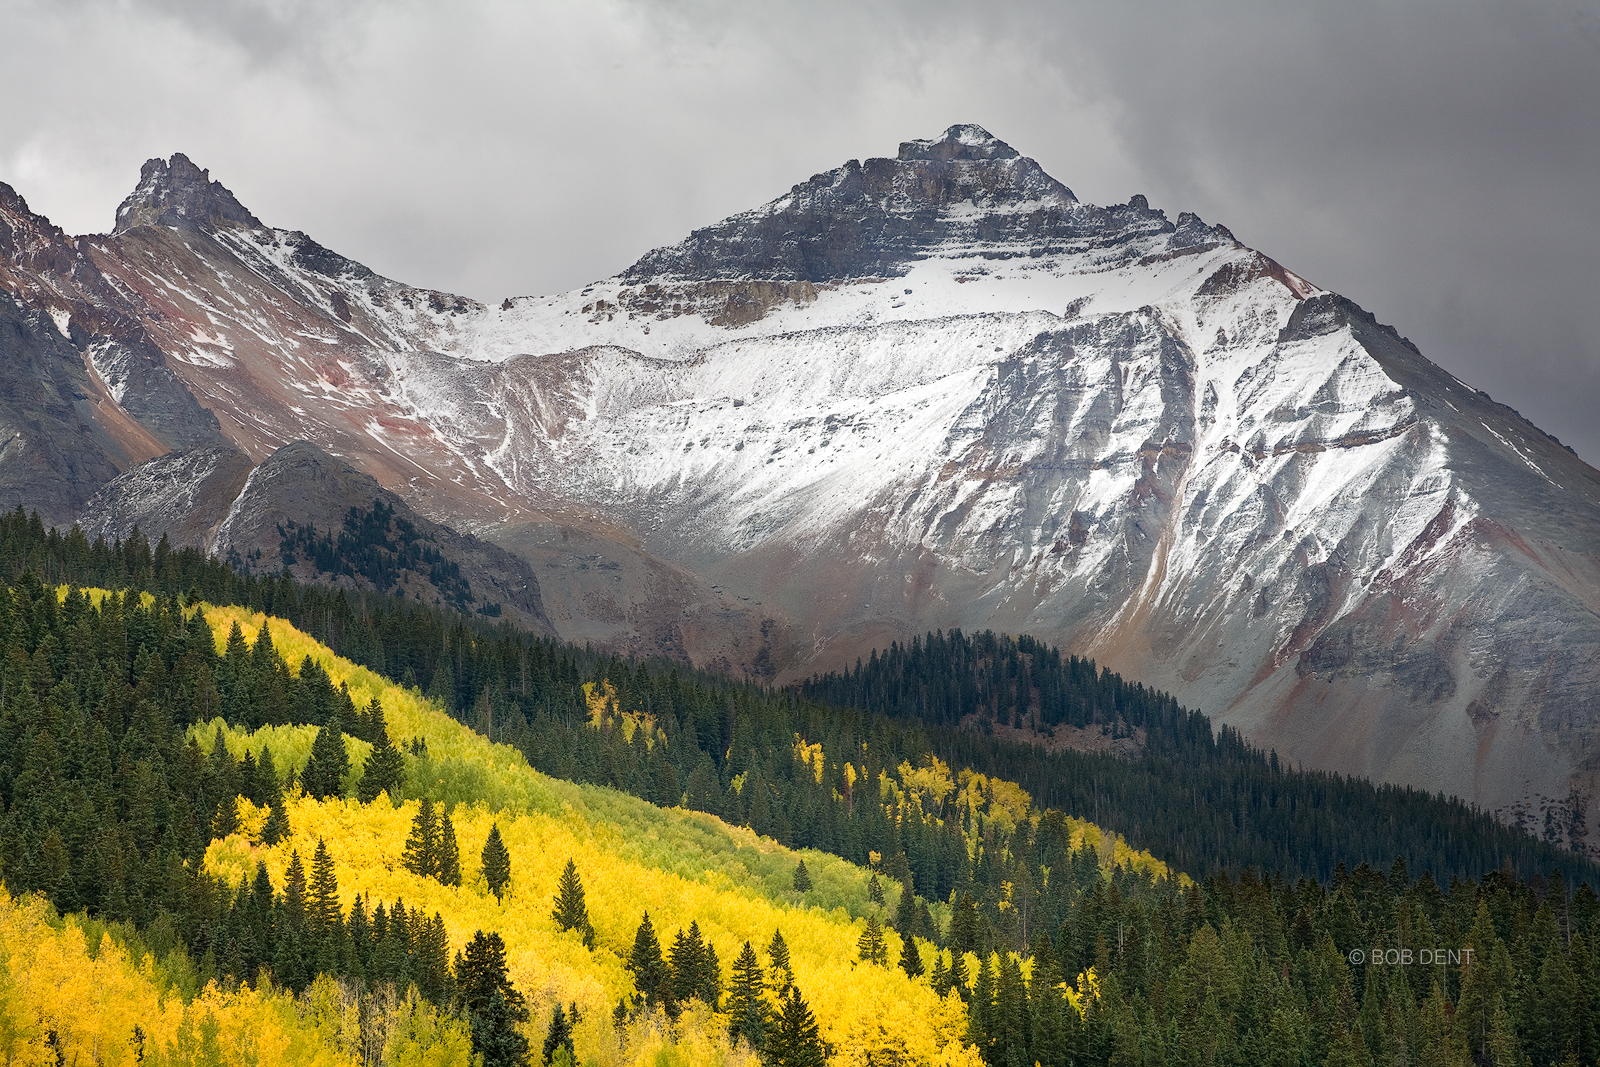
x: 175, y: 192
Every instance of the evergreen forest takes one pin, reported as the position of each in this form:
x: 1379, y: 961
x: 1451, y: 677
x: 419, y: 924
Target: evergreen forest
x: 186, y: 780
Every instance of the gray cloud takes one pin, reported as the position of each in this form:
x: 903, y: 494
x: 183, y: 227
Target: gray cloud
x: 1436, y: 161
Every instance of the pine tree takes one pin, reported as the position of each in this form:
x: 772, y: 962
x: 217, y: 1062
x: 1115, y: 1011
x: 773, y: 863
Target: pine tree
x: 384, y: 767
x: 421, y: 855
x: 690, y: 967
x: 449, y: 852
x: 650, y: 975
x: 559, y: 1035
x: 778, y: 956
x: 329, y: 762
x: 322, y: 900
x: 795, y: 1040
x: 570, y: 912
x: 496, y: 863
x: 276, y: 828
x: 875, y: 890
x: 802, y: 878
x: 910, y: 957
x: 747, y: 1010
x: 495, y: 1035
x: 481, y: 972
x: 871, y: 946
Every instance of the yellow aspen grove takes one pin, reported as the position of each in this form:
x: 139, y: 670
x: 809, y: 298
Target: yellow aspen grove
x: 344, y: 857
x: 59, y: 1002
x: 692, y: 868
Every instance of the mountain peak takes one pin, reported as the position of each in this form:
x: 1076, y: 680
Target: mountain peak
x: 874, y: 218
x: 962, y: 141
x: 175, y: 192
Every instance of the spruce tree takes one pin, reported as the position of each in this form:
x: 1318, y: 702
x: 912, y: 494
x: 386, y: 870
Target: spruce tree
x: 747, y: 1010
x: 323, y: 913
x: 980, y: 1011
x: 711, y: 977
x: 778, y: 956
x: 384, y: 767
x: 871, y: 946
x: 421, y: 855
x: 481, y: 972
x: 569, y: 912
x: 226, y: 821
x: 329, y: 762
x: 276, y: 828
x: 939, y: 978
x: 294, y: 892
x: 269, y: 789
x: 650, y: 975
x: 802, y: 878
x: 875, y: 889
x: 696, y: 971
x: 687, y: 963
x: 496, y: 861
x: 795, y: 1040
x: 905, y: 913
x: 559, y: 1036
x: 958, y: 974
x: 910, y: 957
x: 431, y: 962
x: 495, y: 1035
x: 449, y: 852
x: 1011, y: 1012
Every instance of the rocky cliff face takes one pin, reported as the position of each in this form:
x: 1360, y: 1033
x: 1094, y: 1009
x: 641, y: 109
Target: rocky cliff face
x: 54, y: 452
x: 938, y: 390
x: 216, y: 499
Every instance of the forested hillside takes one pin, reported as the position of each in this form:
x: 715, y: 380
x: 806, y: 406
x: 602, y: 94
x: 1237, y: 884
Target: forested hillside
x: 265, y: 877
x: 1197, y: 797
x: 1201, y: 800
x: 274, y: 866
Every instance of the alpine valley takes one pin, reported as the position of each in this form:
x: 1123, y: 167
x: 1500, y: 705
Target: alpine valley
x: 918, y: 393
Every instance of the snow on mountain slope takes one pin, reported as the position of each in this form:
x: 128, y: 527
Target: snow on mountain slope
x: 938, y: 390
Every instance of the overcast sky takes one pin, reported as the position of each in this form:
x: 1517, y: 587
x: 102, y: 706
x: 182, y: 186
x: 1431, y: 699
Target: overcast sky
x: 1437, y: 162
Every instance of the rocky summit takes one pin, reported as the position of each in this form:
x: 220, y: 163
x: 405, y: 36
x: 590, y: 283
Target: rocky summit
x: 911, y: 393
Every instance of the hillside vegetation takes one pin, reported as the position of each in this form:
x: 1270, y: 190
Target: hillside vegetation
x: 684, y: 867
x: 267, y: 878
x: 1202, y: 799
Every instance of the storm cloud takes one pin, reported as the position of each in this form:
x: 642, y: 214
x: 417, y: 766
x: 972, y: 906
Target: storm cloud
x: 1437, y: 162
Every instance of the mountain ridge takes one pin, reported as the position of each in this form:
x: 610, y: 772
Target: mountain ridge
x: 939, y: 391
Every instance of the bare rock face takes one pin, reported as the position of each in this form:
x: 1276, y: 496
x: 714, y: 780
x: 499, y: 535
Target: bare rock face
x: 216, y: 499
x: 176, y: 193
x: 182, y: 495
x: 926, y: 391
x: 54, y: 452
x: 136, y: 396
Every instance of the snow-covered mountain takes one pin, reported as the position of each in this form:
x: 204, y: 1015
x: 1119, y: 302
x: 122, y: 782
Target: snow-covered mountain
x: 923, y: 392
